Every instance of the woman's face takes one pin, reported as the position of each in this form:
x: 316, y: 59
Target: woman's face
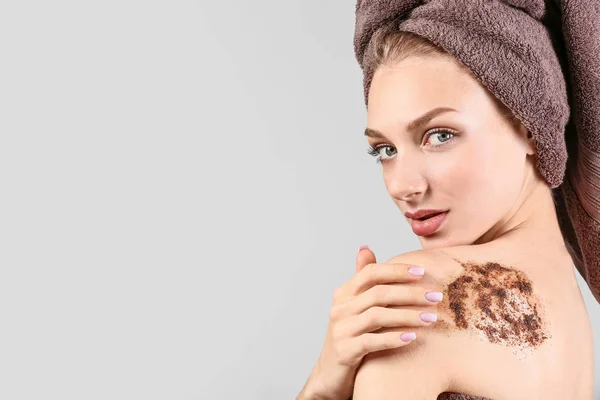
x: 470, y: 162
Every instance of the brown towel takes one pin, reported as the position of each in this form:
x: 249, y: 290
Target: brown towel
x: 542, y: 60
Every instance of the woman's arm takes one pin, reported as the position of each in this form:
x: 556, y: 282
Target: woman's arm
x: 361, y: 307
x: 414, y: 372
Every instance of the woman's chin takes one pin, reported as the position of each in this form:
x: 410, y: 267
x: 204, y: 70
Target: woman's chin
x: 434, y: 241
x: 441, y: 239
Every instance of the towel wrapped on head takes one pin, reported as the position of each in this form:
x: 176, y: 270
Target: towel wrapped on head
x: 540, y: 59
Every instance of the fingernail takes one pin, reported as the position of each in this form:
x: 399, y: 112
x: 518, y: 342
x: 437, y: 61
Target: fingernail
x: 428, y: 317
x: 434, y: 296
x: 364, y: 246
x: 407, y: 337
x: 416, y: 271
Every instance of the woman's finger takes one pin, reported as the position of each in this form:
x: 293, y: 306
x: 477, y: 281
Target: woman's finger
x: 357, y: 347
x: 386, y: 295
x: 375, y: 274
x: 381, y: 317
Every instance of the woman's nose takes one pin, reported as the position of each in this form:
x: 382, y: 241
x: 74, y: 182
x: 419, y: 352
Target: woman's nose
x: 407, y: 185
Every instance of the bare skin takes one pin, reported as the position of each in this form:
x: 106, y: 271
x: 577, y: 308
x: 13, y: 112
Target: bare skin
x: 500, y: 211
x: 451, y: 358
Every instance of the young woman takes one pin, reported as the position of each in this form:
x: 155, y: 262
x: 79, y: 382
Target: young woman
x: 509, y: 321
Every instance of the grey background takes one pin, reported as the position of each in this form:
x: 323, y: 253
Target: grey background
x: 184, y: 185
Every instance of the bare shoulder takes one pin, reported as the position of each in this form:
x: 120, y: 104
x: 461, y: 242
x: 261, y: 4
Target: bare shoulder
x: 491, y: 321
x: 487, y: 297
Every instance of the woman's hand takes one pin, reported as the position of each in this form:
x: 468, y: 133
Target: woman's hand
x: 359, y: 309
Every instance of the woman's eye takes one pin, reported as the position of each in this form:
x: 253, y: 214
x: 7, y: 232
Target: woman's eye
x: 389, y: 151
x: 442, y: 137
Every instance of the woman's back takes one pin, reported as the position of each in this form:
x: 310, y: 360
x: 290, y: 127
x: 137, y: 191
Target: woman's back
x: 512, y: 325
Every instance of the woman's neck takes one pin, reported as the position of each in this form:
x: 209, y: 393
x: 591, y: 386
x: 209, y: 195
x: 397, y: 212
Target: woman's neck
x: 531, y: 223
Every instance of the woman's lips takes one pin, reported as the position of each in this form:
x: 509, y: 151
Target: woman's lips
x: 428, y: 226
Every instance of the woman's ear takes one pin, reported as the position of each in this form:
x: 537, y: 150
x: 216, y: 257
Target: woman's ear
x: 529, y: 139
x: 531, y: 144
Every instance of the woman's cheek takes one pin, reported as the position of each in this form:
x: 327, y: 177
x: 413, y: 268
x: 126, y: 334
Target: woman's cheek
x: 454, y: 169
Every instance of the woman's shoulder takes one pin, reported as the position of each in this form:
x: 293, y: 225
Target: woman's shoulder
x: 487, y: 294
x: 441, y: 264
x: 498, y: 259
x: 502, y: 314
x: 483, y: 318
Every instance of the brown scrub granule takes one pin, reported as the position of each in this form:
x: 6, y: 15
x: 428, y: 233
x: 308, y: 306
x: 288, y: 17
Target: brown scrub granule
x: 498, y: 302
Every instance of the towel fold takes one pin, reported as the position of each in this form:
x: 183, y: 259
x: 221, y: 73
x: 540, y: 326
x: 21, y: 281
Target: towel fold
x: 541, y: 59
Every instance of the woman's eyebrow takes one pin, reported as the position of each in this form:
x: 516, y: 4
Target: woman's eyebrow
x: 415, y: 124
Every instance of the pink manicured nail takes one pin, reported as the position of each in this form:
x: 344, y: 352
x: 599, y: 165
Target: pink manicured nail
x: 428, y: 317
x: 407, y: 337
x: 416, y: 271
x: 364, y: 246
x: 434, y: 296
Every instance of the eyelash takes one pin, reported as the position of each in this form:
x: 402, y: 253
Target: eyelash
x: 374, y: 151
